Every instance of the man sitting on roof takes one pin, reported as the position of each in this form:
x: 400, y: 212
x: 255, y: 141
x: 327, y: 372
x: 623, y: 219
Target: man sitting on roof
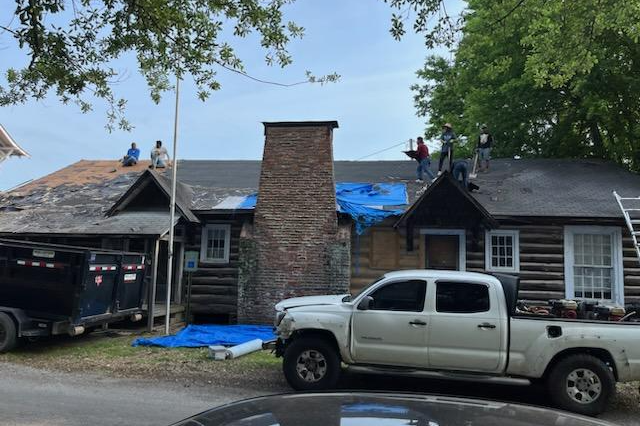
x: 159, y: 156
x: 132, y: 156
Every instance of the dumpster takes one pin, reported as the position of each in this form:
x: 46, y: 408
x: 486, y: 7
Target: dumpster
x: 50, y: 289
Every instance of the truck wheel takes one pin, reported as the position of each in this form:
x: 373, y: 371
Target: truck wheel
x: 581, y: 383
x: 311, y: 364
x: 8, y: 335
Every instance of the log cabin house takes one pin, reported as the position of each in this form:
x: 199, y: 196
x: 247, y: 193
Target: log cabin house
x: 552, y: 222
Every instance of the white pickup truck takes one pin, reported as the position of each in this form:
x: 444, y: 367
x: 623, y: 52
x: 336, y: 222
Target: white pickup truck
x: 454, y: 325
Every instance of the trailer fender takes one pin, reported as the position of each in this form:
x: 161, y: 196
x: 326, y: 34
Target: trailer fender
x: 24, y: 324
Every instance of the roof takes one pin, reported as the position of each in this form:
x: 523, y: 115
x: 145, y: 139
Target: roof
x: 74, y: 199
x: 524, y: 187
x: 460, y: 204
x: 84, y: 191
x: 9, y: 147
x: 555, y: 187
x: 184, y: 194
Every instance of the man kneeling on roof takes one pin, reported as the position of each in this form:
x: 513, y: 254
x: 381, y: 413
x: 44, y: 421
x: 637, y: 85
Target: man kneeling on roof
x: 132, y: 156
x: 461, y: 174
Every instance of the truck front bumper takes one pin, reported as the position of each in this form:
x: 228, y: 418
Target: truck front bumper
x: 281, y: 346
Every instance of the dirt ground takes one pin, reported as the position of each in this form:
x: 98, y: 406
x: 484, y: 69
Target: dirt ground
x: 111, y: 355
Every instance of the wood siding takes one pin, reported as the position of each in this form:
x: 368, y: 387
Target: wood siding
x: 215, y: 285
x: 541, y: 258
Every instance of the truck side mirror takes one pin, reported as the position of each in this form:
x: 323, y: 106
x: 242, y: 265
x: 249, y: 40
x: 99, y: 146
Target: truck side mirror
x: 366, y: 303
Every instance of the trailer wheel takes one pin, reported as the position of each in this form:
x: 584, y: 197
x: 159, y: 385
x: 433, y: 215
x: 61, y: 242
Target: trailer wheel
x: 581, y: 383
x: 311, y: 364
x: 8, y: 335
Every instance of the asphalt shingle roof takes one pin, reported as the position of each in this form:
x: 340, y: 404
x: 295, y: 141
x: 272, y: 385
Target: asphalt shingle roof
x: 77, y: 197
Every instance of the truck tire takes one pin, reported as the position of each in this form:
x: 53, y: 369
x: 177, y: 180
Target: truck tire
x: 311, y: 363
x: 8, y: 335
x: 582, y: 384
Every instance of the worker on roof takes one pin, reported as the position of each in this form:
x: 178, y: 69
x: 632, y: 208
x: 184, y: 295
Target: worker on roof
x: 446, y: 152
x: 460, y: 172
x: 485, y: 140
x: 424, y: 161
x: 132, y: 156
x: 159, y: 156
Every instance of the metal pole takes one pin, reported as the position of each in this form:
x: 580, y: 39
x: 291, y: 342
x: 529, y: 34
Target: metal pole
x: 172, y: 208
x: 151, y: 302
x: 189, y: 274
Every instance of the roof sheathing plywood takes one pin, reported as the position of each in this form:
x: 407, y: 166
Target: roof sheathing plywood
x: 84, y: 172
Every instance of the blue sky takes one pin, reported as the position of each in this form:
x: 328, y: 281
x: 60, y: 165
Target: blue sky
x: 372, y: 102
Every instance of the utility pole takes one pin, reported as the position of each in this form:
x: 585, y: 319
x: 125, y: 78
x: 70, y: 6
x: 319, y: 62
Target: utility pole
x: 172, y: 208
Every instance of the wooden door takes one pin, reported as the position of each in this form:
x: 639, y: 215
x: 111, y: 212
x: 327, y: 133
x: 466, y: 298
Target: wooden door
x: 442, y: 252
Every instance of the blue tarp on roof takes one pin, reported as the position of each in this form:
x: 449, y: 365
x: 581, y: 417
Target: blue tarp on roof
x: 249, y: 202
x: 196, y: 336
x: 364, y: 202
x: 372, y: 194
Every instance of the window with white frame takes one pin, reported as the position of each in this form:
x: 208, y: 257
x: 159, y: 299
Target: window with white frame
x: 502, y: 251
x: 593, y: 263
x: 215, y: 243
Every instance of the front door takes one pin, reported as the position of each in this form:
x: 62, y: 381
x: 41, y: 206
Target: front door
x: 442, y: 252
x: 394, y: 330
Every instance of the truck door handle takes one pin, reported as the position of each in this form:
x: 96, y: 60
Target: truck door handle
x: 486, y: 325
x: 417, y: 322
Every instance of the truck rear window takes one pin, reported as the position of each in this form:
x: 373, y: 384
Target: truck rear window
x: 461, y: 298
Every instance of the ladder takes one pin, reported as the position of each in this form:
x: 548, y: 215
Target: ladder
x: 631, y: 217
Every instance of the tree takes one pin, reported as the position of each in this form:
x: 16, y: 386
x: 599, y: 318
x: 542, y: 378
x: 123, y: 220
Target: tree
x: 73, y: 46
x: 556, y: 79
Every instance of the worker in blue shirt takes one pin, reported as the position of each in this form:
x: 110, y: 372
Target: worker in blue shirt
x: 132, y: 156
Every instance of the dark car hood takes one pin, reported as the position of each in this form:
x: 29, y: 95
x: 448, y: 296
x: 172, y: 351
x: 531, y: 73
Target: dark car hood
x: 351, y: 409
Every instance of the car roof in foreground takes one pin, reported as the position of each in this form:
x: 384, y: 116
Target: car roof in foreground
x: 367, y: 408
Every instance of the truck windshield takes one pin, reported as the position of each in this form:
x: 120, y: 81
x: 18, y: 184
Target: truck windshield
x: 350, y: 297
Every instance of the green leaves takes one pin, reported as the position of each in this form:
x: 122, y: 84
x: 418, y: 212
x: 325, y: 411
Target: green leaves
x: 551, y: 79
x: 73, y: 46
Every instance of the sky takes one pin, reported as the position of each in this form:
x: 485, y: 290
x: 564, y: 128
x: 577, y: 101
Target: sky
x: 372, y: 102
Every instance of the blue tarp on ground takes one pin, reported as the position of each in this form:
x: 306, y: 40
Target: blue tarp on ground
x: 364, y: 202
x: 196, y: 336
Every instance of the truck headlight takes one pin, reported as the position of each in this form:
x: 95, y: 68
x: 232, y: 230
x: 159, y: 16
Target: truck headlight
x: 279, y: 317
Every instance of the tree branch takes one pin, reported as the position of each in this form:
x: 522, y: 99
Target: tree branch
x: 513, y: 9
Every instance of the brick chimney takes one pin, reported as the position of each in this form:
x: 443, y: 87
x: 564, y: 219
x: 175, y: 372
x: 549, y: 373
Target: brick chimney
x: 295, y: 246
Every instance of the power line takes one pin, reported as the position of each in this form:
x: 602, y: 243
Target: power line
x: 382, y: 150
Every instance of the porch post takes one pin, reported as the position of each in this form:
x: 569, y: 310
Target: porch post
x: 151, y: 301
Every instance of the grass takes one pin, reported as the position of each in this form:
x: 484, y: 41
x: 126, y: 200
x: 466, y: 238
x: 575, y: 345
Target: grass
x: 113, y: 355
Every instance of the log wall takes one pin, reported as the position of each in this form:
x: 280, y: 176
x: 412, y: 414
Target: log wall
x: 214, y: 289
x: 382, y: 249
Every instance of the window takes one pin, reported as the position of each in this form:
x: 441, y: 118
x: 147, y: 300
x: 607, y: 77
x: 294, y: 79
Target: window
x: 502, y: 251
x: 400, y: 296
x: 462, y: 298
x: 593, y: 263
x: 215, y: 243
